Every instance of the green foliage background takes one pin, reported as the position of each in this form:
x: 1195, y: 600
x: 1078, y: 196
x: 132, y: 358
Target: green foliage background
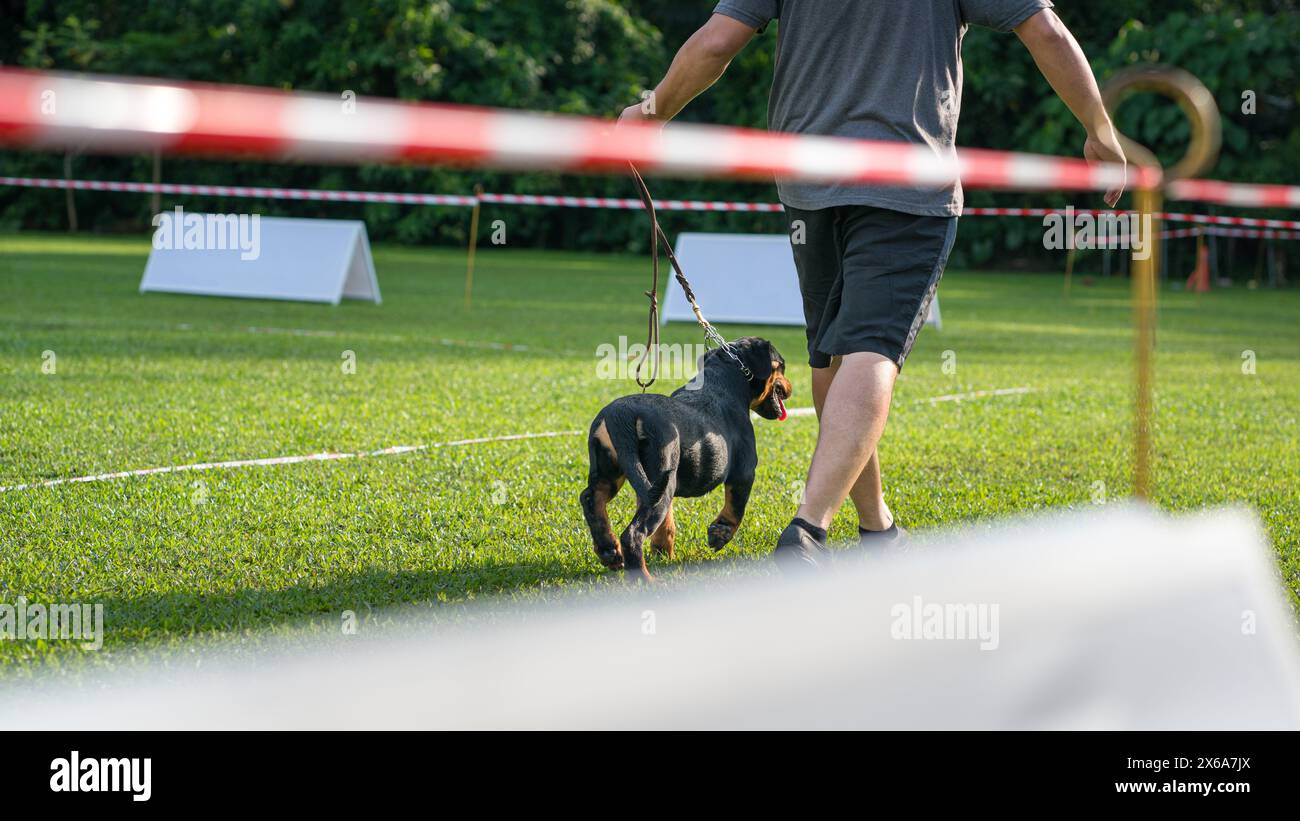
x: 594, y: 57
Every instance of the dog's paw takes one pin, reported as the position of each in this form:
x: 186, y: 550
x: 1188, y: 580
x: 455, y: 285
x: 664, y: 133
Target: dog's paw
x: 720, y: 533
x: 636, y: 575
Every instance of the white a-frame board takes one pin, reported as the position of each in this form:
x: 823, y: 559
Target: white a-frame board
x: 307, y: 260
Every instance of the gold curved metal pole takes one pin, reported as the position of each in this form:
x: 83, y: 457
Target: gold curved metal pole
x: 1198, y: 105
x: 1192, y: 97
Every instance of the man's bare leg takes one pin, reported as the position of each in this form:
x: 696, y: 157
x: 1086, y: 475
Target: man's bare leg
x: 867, y: 492
x: 852, y: 418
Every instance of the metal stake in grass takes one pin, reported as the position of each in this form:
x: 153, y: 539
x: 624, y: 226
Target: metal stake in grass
x: 473, y: 243
x: 1197, y: 103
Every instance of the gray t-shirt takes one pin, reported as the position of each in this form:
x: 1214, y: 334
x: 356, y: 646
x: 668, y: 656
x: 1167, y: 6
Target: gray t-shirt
x: 873, y: 69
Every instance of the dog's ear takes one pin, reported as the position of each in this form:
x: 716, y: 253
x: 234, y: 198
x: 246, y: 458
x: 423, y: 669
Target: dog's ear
x: 771, y: 359
x: 759, y: 356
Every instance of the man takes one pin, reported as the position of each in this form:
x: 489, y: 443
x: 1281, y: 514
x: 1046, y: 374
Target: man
x: 872, y: 257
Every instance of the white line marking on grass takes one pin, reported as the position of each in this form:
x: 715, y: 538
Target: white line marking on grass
x: 398, y: 449
x: 951, y: 397
x: 961, y: 397
x: 809, y: 411
x: 292, y: 460
x: 451, y: 343
x: 254, y: 329
x: 461, y: 343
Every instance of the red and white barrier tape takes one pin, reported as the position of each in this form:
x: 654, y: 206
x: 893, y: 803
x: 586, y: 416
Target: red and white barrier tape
x: 383, y: 196
x: 568, y: 202
x: 1205, y: 219
x: 1219, y: 231
x: 1266, y: 233
x: 1239, y: 194
x: 629, y: 203
x: 47, y: 110
x: 240, y: 191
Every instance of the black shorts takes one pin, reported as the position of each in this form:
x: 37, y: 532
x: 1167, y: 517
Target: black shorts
x: 867, y: 276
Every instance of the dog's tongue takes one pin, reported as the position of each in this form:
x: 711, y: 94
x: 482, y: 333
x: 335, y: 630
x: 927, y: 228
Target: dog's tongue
x: 780, y: 403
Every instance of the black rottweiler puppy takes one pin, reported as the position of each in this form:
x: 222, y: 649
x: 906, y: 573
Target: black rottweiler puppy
x: 681, y: 445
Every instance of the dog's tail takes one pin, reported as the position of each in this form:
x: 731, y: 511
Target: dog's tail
x: 638, y: 458
x: 627, y: 443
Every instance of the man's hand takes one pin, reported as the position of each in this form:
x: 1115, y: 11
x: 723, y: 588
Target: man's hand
x: 1104, y: 147
x: 638, y: 113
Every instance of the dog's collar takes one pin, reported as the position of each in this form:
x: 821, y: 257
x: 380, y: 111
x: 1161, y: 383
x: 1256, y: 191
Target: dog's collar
x: 725, y: 347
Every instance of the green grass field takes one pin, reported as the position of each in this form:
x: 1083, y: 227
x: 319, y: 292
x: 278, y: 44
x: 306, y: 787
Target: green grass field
x: 153, y: 380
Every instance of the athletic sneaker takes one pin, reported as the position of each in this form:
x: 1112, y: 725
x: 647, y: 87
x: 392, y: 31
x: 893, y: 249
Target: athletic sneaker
x: 893, y: 537
x: 801, y: 547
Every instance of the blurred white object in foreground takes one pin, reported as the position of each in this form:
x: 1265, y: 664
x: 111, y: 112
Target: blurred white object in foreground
x: 1117, y: 619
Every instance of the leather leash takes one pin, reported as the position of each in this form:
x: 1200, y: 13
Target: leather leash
x: 711, y: 335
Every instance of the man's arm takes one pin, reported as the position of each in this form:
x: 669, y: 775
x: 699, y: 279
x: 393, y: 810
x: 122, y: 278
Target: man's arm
x: 698, y: 64
x: 1062, y: 62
